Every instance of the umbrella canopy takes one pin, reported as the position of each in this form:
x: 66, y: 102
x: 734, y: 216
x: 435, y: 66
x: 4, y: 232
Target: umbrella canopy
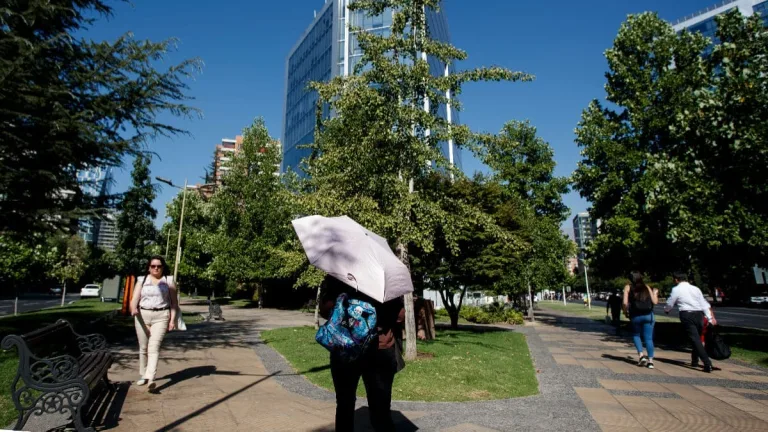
x: 354, y: 255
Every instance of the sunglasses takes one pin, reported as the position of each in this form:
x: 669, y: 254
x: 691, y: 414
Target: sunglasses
x: 154, y: 266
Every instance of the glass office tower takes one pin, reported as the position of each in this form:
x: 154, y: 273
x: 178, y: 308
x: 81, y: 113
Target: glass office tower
x: 95, y: 182
x: 704, y: 21
x: 327, y: 49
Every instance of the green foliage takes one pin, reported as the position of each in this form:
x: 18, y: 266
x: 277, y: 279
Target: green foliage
x: 136, y: 219
x: 675, y: 166
x: 23, y: 262
x: 71, y: 255
x: 68, y: 103
x: 254, y: 241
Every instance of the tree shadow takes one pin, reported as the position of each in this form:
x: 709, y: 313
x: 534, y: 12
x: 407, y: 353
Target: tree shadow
x: 195, y: 372
x: 363, y: 422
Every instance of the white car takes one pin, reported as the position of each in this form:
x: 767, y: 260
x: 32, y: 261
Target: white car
x: 759, y: 299
x: 90, y: 290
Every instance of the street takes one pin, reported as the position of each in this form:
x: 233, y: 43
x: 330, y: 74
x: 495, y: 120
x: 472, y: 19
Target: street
x: 727, y: 316
x: 28, y: 304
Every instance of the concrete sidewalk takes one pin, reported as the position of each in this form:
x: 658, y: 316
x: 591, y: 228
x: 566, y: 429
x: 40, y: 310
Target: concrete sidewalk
x: 218, y: 376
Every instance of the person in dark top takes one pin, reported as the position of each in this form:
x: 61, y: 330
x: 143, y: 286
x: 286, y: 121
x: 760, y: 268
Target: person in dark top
x: 614, y: 305
x: 377, y: 366
x: 639, y: 300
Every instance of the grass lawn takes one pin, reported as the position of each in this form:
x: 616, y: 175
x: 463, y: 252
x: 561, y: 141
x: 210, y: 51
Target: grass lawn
x: 457, y: 366
x: 79, y: 314
x: 596, y: 312
x: 748, y: 345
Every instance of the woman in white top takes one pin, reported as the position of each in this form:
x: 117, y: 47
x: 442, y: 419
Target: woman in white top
x: 154, y: 307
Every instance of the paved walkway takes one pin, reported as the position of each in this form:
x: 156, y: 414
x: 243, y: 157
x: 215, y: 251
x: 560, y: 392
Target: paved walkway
x: 218, y: 376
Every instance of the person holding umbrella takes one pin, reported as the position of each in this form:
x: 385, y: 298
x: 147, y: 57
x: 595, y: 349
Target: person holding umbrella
x: 377, y: 366
x: 360, y: 264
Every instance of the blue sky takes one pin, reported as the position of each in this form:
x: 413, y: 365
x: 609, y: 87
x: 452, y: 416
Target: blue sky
x: 244, y: 45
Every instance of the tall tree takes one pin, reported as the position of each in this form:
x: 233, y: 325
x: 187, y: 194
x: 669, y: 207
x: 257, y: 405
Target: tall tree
x: 70, y: 262
x: 68, y: 103
x: 383, y: 142
x: 675, y: 166
x: 136, y: 218
x: 254, y: 241
x: 523, y: 166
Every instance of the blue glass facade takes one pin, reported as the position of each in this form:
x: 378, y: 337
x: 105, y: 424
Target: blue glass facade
x: 762, y: 9
x: 324, y: 52
x: 95, y: 182
x: 310, y: 61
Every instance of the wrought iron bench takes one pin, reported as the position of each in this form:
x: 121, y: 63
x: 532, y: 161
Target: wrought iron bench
x: 58, y: 371
x: 214, y: 311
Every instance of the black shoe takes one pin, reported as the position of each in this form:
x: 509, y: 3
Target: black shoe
x: 708, y: 368
x: 695, y: 364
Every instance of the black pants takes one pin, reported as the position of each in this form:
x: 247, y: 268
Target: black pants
x: 616, y: 318
x: 693, y: 326
x: 377, y: 368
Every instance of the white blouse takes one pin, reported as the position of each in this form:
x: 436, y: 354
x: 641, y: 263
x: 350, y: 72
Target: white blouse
x: 155, y: 296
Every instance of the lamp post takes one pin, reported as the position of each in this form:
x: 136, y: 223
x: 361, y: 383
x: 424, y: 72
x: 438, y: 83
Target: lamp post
x: 181, y: 226
x: 586, y: 281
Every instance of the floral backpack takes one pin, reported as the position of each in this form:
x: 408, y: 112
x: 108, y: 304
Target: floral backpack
x: 350, y: 329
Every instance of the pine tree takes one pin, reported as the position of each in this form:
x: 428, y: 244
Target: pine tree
x: 136, y: 219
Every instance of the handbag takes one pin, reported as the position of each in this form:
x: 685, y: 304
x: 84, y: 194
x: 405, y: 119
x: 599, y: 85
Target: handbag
x: 180, y: 324
x: 715, y: 345
x: 350, y: 330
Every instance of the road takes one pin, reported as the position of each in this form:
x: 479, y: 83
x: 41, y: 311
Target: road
x: 29, y: 304
x: 727, y: 316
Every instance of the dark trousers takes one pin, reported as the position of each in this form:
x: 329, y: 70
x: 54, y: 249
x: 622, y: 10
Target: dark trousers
x: 693, y: 326
x: 377, y: 368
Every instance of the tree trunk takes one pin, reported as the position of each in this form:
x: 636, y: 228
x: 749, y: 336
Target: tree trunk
x: 63, y: 292
x: 410, y: 316
x: 317, y: 307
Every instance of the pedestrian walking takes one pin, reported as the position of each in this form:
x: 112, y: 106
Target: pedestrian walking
x: 614, y: 305
x: 638, y: 302
x: 154, y: 308
x: 693, y: 309
x: 377, y: 366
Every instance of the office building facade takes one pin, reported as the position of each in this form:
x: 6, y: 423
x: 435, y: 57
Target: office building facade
x: 106, y: 231
x: 225, y: 151
x: 328, y: 49
x: 584, y: 231
x: 94, y: 182
x: 704, y: 21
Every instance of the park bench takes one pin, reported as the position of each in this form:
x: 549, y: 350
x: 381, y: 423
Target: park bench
x: 58, y: 371
x: 214, y: 311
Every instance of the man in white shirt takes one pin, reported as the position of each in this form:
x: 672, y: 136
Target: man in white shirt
x: 693, y: 308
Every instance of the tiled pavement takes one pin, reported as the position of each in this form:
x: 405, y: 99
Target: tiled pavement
x: 214, y: 379
x: 672, y: 397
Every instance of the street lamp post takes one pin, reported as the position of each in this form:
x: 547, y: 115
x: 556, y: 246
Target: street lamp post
x: 586, y: 281
x: 181, y: 226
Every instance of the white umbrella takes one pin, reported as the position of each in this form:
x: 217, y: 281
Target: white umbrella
x: 354, y: 255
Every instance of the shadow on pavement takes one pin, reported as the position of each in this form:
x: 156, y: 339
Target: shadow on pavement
x: 363, y: 422
x: 195, y: 372
x: 186, y: 418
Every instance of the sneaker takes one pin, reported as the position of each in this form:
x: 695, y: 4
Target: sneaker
x: 643, y: 361
x: 695, y: 365
x: 152, y: 386
x: 708, y: 368
x: 141, y: 382
x: 650, y: 365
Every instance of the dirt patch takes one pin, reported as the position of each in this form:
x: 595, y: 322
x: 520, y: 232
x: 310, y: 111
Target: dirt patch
x: 424, y: 355
x: 479, y: 394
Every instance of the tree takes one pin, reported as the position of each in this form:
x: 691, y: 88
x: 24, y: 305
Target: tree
x: 523, y: 165
x: 254, y: 242
x: 71, y: 261
x: 23, y: 262
x: 68, y: 103
x: 136, y: 219
x: 372, y: 158
x: 675, y: 167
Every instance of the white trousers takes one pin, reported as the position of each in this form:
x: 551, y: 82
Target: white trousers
x: 151, y: 327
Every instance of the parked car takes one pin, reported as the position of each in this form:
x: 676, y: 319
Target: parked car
x: 54, y: 291
x: 90, y: 290
x: 759, y: 300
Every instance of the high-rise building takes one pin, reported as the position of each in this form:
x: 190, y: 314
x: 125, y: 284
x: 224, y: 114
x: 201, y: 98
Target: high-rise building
x: 584, y: 231
x: 224, y: 153
x: 107, y: 232
x: 95, y: 182
x: 704, y: 21
x: 328, y: 49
